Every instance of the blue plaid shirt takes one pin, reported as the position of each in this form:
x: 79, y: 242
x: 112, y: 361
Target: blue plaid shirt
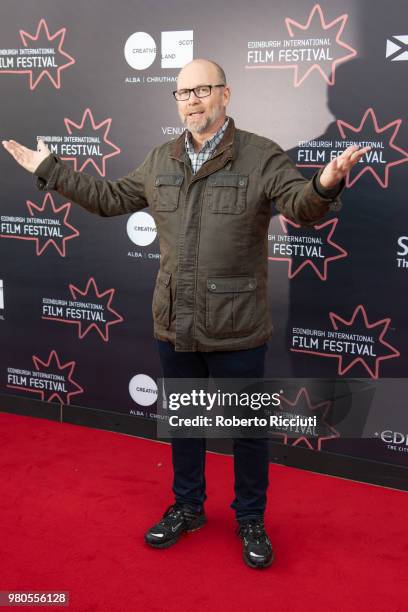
x: 197, y: 159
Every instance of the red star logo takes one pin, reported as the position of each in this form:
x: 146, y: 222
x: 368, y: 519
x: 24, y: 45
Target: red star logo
x: 43, y: 38
x: 358, y: 325
x: 317, y: 27
x: 324, y: 233
x: 369, y: 126
x: 62, y: 390
x: 93, y: 295
x: 58, y: 234
x: 87, y: 126
x: 303, y: 406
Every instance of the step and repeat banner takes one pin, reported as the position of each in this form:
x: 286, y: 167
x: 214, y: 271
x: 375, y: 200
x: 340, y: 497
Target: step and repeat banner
x: 95, y: 83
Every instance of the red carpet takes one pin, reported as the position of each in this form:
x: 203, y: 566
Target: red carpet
x: 75, y: 502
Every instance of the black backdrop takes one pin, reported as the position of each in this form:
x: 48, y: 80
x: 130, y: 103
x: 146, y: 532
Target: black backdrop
x: 95, y: 81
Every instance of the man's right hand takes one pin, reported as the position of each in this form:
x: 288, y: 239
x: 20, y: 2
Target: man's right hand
x: 29, y: 159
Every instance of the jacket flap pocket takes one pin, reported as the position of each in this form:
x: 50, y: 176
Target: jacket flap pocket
x: 228, y: 180
x: 234, y: 284
x: 174, y: 180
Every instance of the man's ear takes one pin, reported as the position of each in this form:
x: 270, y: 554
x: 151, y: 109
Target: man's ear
x: 226, y: 95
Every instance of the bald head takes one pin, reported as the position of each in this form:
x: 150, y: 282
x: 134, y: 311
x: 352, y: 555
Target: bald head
x: 209, y: 69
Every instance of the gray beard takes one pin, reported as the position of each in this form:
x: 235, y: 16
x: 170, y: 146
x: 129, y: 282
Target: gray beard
x: 204, y: 127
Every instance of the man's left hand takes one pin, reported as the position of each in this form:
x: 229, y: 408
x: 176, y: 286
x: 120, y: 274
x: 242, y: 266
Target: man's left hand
x: 337, y: 169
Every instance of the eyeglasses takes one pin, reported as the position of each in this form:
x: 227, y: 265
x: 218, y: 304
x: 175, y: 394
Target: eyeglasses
x: 202, y: 91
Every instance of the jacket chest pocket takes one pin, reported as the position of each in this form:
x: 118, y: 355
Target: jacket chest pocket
x: 230, y: 306
x: 167, y: 191
x: 226, y: 193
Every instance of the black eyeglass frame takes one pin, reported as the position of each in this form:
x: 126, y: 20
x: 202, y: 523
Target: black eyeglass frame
x: 195, y: 93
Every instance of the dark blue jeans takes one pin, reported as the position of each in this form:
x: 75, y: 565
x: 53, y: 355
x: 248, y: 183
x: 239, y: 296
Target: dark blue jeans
x: 251, y: 456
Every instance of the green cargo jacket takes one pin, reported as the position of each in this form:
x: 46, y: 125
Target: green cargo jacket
x: 211, y: 288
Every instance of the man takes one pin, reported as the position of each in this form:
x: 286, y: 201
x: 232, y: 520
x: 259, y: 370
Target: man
x: 210, y: 194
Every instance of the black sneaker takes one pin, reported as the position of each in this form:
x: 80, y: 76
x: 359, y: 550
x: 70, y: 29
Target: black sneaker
x: 177, y: 519
x: 257, y: 548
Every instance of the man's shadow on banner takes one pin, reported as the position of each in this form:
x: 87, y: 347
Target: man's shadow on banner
x: 369, y: 222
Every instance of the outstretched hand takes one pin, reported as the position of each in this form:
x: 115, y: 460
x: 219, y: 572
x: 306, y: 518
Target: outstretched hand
x: 337, y: 169
x: 29, y: 159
